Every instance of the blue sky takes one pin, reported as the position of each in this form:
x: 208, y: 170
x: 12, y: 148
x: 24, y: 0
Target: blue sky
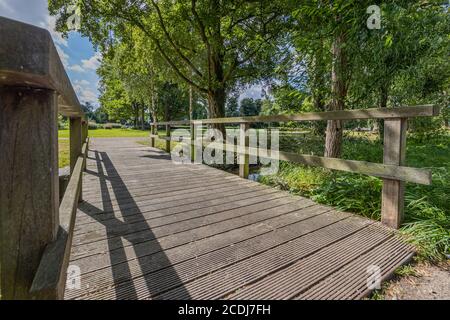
x: 76, y: 52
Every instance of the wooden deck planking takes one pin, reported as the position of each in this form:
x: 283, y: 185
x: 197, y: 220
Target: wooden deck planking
x: 150, y: 229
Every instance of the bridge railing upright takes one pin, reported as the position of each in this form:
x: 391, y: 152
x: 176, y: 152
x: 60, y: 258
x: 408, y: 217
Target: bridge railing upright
x: 35, y: 227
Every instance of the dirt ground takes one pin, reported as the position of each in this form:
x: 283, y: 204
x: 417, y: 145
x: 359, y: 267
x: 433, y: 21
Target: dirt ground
x: 428, y: 283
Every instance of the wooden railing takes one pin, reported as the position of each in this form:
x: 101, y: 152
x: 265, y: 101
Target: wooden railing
x: 36, y: 230
x: 392, y: 170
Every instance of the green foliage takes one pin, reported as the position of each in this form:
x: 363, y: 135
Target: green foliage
x: 232, y: 106
x: 250, y: 107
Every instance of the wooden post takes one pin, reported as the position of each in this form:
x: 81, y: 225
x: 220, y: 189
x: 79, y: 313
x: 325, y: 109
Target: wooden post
x: 153, y: 131
x: 76, y: 138
x: 84, y: 130
x: 193, y: 142
x: 243, y: 143
x: 168, y: 138
x: 29, y: 198
x: 392, y: 201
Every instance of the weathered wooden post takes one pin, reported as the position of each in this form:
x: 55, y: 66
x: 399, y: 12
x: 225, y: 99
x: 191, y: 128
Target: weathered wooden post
x: 85, y: 132
x: 31, y: 75
x: 153, y: 132
x: 76, y: 143
x: 243, y: 154
x: 193, y: 142
x: 392, y: 201
x: 168, y: 138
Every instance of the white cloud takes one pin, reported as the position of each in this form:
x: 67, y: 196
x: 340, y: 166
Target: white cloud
x: 76, y: 68
x: 82, y: 82
x: 92, y: 63
x: 84, y: 92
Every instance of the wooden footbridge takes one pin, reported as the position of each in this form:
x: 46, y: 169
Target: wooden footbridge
x: 132, y: 224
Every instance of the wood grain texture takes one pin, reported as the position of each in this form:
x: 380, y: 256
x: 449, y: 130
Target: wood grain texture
x: 243, y: 145
x: 50, y: 279
x: 371, y: 113
x: 393, y: 193
x: 29, y: 196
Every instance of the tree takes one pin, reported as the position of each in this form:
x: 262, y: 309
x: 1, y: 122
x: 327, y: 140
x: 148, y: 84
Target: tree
x: 210, y: 44
x: 250, y: 107
x: 232, y: 107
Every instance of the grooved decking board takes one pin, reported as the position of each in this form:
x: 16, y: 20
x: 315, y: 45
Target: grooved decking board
x: 151, y: 229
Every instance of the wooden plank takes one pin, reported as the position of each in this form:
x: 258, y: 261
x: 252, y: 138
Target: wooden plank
x: 50, y: 279
x: 29, y: 197
x: 357, y: 114
x: 243, y: 275
x: 351, y: 282
x: 393, y: 193
x: 197, y: 264
x: 138, y: 246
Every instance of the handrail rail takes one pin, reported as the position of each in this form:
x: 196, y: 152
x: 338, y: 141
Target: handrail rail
x: 50, y: 279
x: 357, y: 114
x: 28, y: 57
x: 407, y: 174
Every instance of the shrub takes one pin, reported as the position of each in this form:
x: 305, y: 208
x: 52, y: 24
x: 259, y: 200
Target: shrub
x: 92, y: 126
x: 107, y: 126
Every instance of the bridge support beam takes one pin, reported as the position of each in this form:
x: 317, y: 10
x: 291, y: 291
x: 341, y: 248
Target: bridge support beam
x: 29, y: 198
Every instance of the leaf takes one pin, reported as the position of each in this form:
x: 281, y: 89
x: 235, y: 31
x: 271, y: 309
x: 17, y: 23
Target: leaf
x: 388, y: 41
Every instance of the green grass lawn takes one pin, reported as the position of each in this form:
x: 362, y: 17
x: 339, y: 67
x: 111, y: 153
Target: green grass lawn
x: 110, y: 133
x: 64, y: 144
x: 64, y: 148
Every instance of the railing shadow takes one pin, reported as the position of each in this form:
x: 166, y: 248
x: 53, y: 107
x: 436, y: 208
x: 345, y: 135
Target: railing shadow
x: 122, y: 275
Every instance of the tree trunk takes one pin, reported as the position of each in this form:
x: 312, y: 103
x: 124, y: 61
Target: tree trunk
x: 136, y: 115
x: 191, y: 103
x: 143, y: 118
x: 216, y: 106
x: 166, y: 112
x: 333, y: 141
x: 383, y: 104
